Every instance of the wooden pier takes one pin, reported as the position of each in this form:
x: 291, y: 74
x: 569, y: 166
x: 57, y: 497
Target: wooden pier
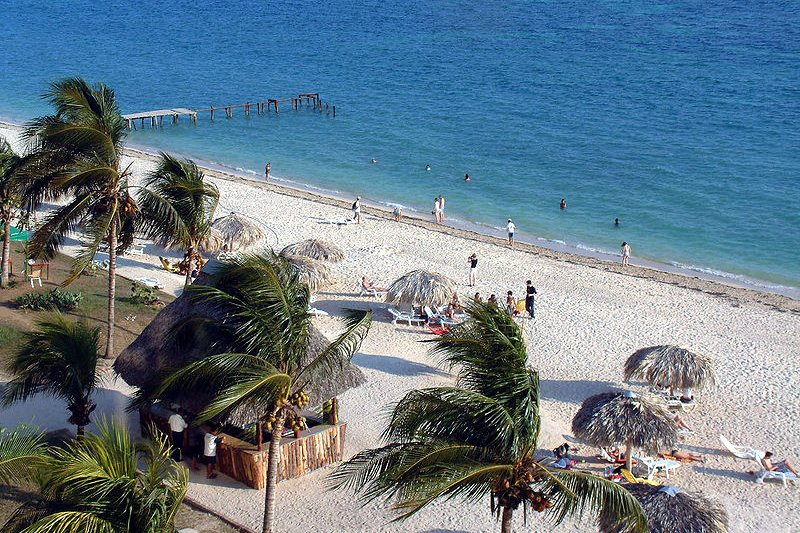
x: 156, y: 118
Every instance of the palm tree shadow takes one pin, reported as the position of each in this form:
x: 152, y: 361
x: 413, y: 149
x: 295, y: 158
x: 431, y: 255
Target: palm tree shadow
x: 572, y: 391
x: 395, y: 365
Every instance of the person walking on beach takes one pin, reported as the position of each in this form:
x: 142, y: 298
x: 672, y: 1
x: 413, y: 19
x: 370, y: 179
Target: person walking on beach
x: 511, y: 229
x: 398, y: 213
x: 530, y: 299
x: 357, y: 210
x: 210, y: 443
x: 266, y: 171
x: 177, y: 425
x: 437, y: 210
x: 626, y: 253
x: 441, y: 209
x: 473, y: 266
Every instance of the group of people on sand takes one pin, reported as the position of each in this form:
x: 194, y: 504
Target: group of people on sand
x: 512, y: 306
x: 200, y: 445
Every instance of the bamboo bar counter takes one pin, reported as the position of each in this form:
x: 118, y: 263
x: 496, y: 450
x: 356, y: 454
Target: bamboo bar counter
x: 317, y: 446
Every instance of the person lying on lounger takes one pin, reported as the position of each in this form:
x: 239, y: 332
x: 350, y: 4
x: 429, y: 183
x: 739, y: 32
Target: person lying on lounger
x: 785, y: 466
x: 368, y: 285
x: 684, y: 456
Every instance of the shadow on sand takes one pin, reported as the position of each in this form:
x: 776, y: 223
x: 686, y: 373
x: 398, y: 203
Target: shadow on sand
x: 573, y: 391
x: 396, y: 365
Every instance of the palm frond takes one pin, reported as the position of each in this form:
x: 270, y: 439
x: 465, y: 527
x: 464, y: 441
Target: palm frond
x: 22, y: 452
x: 50, y: 236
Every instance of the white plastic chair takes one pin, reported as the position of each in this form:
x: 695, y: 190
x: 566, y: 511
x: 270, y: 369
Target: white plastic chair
x: 405, y: 317
x: 656, y: 465
x: 35, y: 274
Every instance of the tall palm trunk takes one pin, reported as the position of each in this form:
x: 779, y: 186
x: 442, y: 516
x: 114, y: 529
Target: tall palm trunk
x: 273, y: 458
x: 6, y: 250
x: 112, y: 286
x: 189, y: 254
x: 629, y: 457
x: 508, y: 513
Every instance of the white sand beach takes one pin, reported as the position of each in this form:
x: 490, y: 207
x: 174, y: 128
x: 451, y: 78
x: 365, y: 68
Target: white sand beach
x: 590, y: 317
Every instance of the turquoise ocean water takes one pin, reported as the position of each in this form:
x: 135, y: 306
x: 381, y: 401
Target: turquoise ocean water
x: 680, y: 118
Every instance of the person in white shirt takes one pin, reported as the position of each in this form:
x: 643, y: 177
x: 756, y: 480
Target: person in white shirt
x: 210, y: 442
x: 177, y: 425
x: 437, y: 210
x: 511, y: 229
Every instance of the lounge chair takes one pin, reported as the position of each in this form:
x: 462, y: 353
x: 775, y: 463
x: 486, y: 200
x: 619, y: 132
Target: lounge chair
x: 763, y: 474
x: 405, y: 317
x: 442, y: 319
x: 438, y: 329
x: 136, y: 248
x: 149, y: 282
x: 338, y: 221
x: 742, y: 452
x: 656, y: 465
x: 630, y: 478
x: 169, y: 267
x: 365, y: 291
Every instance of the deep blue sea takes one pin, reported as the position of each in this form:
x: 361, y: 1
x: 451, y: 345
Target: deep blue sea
x: 680, y: 118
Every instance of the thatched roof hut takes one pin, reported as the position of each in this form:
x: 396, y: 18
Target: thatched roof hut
x: 310, y: 271
x: 421, y: 287
x: 670, y: 367
x: 671, y: 510
x: 315, y: 249
x: 160, y: 349
x: 238, y: 231
x: 613, y: 418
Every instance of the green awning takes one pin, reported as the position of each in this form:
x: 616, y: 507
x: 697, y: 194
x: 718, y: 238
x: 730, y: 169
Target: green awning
x: 17, y: 234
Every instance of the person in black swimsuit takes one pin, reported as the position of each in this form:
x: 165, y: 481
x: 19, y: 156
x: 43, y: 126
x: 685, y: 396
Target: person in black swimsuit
x: 530, y: 304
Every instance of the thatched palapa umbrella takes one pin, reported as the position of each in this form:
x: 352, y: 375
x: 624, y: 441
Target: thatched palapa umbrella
x: 239, y: 231
x: 613, y: 418
x: 670, y: 510
x: 310, y: 271
x: 213, y: 242
x: 671, y: 367
x: 315, y: 249
x: 421, y: 287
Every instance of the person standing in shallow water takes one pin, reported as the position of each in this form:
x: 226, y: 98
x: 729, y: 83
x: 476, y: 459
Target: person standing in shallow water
x: 626, y: 253
x: 266, y: 171
x: 437, y: 210
x: 511, y: 228
x: 441, y: 208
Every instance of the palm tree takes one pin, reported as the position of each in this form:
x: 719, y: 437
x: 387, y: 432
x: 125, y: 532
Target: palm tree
x: 21, y: 453
x: 478, y: 438
x: 264, y: 367
x: 105, y: 483
x: 181, y: 205
x: 59, y: 358
x: 78, y: 156
x: 10, y: 164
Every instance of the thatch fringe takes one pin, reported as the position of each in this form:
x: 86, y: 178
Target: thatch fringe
x: 670, y: 367
x: 315, y: 249
x: 421, y: 287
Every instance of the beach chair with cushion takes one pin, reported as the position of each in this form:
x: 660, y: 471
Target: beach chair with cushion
x: 35, y: 274
x: 657, y: 465
x: 630, y: 478
x: 405, y: 317
x: 742, y: 452
x: 364, y: 291
x: 444, y: 320
x: 438, y: 329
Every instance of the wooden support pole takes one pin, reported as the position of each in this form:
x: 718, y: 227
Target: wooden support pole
x: 212, y: 113
x: 334, y: 111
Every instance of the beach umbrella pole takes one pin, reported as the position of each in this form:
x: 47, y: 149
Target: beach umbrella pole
x: 629, y: 457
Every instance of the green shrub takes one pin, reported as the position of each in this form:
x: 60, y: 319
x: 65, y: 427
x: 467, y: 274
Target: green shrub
x: 142, y: 294
x: 55, y: 299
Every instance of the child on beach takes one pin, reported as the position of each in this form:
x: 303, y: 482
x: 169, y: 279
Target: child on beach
x: 511, y: 303
x: 210, y: 443
x: 511, y: 229
x: 626, y: 253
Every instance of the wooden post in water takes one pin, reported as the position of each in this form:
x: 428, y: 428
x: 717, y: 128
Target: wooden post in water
x: 334, y: 111
x: 212, y: 113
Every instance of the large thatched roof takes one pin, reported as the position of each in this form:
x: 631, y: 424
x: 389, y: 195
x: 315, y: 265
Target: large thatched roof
x: 213, y: 242
x: 671, y: 510
x: 670, y: 367
x: 315, y: 249
x: 613, y: 418
x: 421, y: 287
x: 238, y: 231
x: 310, y: 271
x: 158, y: 349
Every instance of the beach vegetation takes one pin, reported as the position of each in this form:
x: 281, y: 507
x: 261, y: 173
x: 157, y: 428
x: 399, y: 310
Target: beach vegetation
x: 59, y: 359
x: 55, y: 299
x: 77, y: 156
x: 10, y: 198
x: 22, y: 452
x: 180, y: 205
x: 104, y: 483
x: 261, y: 365
x: 477, y: 440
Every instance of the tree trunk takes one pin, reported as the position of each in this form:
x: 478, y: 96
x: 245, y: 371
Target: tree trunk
x: 112, y: 286
x: 188, y: 280
x: 273, y: 460
x: 260, y: 436
x: 6, y: 251
x: 628, y: 457
x: 508, y: 512
x: 81, y: 431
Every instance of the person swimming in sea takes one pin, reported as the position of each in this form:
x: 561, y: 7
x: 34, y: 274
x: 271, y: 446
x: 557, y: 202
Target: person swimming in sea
x: 428, y: 168
x: 563, y: 204
x: 616, y: 222
x: 373, y: 161
x: 467, y: 178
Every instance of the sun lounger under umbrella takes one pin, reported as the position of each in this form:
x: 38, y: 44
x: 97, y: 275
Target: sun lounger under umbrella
x: 613, y: 418
x: 671, y: 509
